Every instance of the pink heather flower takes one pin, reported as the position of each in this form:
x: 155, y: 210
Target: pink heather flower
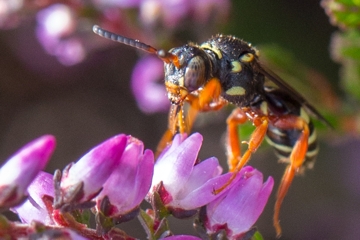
x: 34, y: 208
x: 147, y: 85
x: 168, y: 12
x: 56, y: 24
x: 205, y: 10
x: 130, y: 181
x: 186, y: 186
x: 70, y: 51
x: 8, y: 10
x: 21, y: 169
x: 237, y: 211
x: 118, y: 3
x: 92, y: 170
x: 171, y: 13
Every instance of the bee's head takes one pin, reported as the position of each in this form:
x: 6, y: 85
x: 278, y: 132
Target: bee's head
x: 186, y: 75
x: 186, y: 67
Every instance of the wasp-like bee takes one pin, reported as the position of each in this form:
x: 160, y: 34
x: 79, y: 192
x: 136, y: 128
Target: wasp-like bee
x: 226, y: 70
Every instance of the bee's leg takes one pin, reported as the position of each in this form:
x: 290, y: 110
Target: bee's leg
x: 233, y: 149
x: 255, y: 141
x: 209, y: 94
x: 206, y: 99
x: 297, y: 158
x: 164, y: 141
x: 172, y: 128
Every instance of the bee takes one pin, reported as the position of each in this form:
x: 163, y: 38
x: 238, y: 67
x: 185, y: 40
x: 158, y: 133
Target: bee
x: 226, y: 70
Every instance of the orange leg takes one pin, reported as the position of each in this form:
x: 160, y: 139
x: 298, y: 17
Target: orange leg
x: 297, y: 158
x: 169, y: 133
x: 209, y: 93
x: 233, y: 149
x: 206, y: 99
x: 255, y: 141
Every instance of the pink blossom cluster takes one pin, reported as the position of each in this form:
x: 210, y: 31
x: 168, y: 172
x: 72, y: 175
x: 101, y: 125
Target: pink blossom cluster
x: 114, y: 178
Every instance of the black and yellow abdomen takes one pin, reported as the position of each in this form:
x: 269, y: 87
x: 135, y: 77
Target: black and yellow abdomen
x: 283, y: 141
x: 280, y: 103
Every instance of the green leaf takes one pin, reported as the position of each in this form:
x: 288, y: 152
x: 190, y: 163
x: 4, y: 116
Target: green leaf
x: 343, y: 13
x: 147, y: 223
x: 345, y: 49
x: 257, y: 236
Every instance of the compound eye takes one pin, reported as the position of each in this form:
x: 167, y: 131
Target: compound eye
x: 194, y: 74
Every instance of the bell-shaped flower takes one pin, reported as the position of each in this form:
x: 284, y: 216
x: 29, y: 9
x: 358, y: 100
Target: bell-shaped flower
x: 130, y: 181
x: 237, y: 211
x: 21, y: 169
x: 180, y: 182
x: 35, y: 207
x: 83, y: 180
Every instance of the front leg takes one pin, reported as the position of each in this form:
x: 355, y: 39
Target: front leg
x: 233, y: 148
x: 256, y: 138
x: 205, y: 99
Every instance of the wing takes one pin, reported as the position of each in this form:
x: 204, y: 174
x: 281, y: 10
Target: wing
x: 286, y: 87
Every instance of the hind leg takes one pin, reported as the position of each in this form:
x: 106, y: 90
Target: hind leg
x: 297, y: 158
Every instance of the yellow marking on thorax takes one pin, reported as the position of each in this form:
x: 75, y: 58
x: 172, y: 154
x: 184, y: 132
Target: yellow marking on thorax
x: 214, y: 49
x: 236, y: 91
x: 248, y: 57
x: 236, y: 67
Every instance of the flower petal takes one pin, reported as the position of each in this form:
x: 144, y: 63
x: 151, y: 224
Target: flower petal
x: 243, y: 203
x: 144, y: 175
x: 34, y: 207
x: 26, y: 163
x: 204, y: 194
x: 201, y: 173
x: 94, y: 168
x: 175, y: 166
x: 130, y: 182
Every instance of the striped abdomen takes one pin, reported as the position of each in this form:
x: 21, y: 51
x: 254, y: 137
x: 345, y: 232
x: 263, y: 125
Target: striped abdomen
x: 283, y: 142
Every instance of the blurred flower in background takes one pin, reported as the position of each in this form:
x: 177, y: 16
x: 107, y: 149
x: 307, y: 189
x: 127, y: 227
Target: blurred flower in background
x: 56, y: 32
x: 8, y: 12
x: 147, y: 85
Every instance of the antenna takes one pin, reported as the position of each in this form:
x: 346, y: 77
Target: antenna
x: 162, y: 54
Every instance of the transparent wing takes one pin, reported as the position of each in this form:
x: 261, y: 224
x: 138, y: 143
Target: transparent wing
x: 286, y: 87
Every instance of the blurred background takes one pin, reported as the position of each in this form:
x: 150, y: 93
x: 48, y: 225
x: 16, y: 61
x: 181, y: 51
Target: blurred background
x: 57, y: 77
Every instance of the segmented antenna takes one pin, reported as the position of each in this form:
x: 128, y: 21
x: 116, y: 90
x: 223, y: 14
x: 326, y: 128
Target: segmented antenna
x: 121, y: 39
x: 163, y: 55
